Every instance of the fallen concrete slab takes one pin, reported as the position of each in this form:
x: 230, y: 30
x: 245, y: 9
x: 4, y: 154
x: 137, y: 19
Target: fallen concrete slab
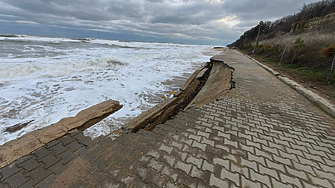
x: 163, y: 111
x: 32, y: 141
x: 218, y: 84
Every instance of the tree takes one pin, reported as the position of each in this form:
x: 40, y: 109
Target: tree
x: 297, y: 46
x: 329, y: 52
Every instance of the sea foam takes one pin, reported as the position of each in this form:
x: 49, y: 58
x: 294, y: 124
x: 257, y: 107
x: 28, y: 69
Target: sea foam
x: 47, y: 79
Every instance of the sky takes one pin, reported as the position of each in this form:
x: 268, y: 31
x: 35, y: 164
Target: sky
x: 214, y: 22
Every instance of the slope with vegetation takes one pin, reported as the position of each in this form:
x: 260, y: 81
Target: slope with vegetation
x: 302, y: 45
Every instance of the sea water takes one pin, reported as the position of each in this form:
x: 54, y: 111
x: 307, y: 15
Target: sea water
x: 46, y: 79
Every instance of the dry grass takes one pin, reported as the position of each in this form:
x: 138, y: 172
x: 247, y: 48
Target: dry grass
x: 312, y: 38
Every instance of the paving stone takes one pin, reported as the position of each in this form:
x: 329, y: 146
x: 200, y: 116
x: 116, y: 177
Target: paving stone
x: 26, y: 185
x: 178, y: 154
x: 214, y: 181
x: 41, y: 153
x: 155, y: 165
x: 268, y: 171
x: 296, y: 173
x: 113, y: 171
x: 177, y: 145
x: 58, y: 148
x: 58, y: 168
x: 82, y: 151
x: 47, y: 182
x: 109, y: 183
x: 165, y: 148
x: 259, y: 177
x: 171, y: 173
x: 238, y: 169
x: 66, y: 140
x: 290, y: 180
x: 16, y: 179
x: 23, y: 159
x: 274, y: 165
x: 234, y: 177
x: 170, y: 184
x: 38, y: 175
x: 249, y: 183
x: 126, y: 164
x: 183, y: 166
x: 8, y: 171
x: 319, y: 181
x: 194, y: 160
x: 49, y: 160
x: 277, y: 184
x: 168, y: 160
x: 142, y: 172
x: 30, y: 164
x: 52, y: 143
x: 74, y: 146
x: 67, y: 156
x: 80, y: 137
x: 203, y: 175
x: 221, y: 162
x: 208, y: 166
x: 126, y: 179
x: 186, y: 180
x: 156, y: 179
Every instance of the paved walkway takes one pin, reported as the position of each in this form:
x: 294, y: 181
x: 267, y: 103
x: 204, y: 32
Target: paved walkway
x: 261, y: 134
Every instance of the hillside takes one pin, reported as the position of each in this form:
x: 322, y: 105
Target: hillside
x: 301, y: 45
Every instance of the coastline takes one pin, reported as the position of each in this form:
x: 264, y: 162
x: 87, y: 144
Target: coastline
x: 30, y: 142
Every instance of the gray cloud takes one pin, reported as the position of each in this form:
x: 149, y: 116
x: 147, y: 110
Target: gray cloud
x: 213, y: 21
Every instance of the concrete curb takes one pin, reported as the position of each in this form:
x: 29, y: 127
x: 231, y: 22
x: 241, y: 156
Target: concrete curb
x: 323, y: 103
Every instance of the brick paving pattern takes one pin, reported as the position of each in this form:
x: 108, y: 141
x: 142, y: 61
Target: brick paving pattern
x: 239, y: 140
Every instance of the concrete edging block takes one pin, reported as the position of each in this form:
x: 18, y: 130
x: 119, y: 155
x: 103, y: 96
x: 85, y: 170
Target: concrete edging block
x: 323, y: 103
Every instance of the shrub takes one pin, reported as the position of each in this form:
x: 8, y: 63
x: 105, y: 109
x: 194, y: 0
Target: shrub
x: 328, y: 51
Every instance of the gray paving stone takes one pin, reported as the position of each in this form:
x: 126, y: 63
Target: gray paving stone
x: 74, y: 146
x: 8, y: 171
x: 41, y: 153
x: 30, y: 164
x: 49, y: 160
x: 16, y: 179
x: 142, y: 172
x: 38, y: 175
x: 168, y: 160
x: 214, y: 181
x: 66, y: 140
x: 183, y: 166
x: 58, y: 148
x: 156, y: 179
x: 155, y: 165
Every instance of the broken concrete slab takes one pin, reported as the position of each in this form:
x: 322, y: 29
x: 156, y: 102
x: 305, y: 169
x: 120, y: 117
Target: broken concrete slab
x: 32, y: 141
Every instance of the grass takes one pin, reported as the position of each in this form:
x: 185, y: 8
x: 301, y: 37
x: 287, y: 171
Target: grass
x: 317, y: 75
x: 311, y: 38
x: 308, y: 77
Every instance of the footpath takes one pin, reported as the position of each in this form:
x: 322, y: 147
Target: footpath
x: 261, y: 133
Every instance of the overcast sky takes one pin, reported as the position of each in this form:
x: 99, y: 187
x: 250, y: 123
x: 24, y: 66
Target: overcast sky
x: 217, y: 22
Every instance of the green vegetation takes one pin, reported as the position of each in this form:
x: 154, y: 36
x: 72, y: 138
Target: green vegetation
x: 308, y: 54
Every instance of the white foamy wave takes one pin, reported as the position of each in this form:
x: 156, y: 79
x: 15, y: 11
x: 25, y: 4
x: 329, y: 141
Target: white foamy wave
x: 47, y: 88
x: 143, y: 44
x: 38, y: 39
x: 54, y: 68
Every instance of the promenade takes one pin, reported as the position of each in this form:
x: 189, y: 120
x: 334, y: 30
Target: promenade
x: 261, y: 133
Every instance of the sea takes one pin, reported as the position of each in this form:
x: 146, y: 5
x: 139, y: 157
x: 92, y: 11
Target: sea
x: 45, y: 79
